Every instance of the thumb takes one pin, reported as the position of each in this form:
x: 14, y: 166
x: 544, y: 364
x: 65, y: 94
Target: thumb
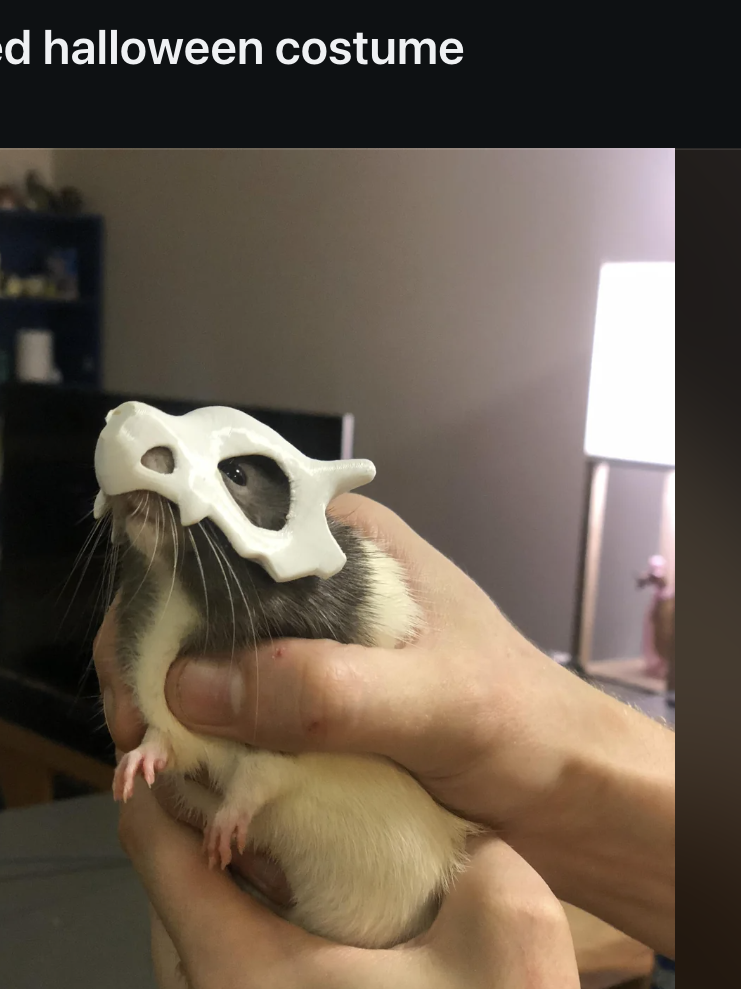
x: 317, y: 695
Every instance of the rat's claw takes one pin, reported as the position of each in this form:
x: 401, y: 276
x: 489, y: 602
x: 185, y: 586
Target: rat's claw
x: 241, y: 836
x: 228, y: 827
x: 225, y: 849
x: 209, y: 842
x: 149, y: 759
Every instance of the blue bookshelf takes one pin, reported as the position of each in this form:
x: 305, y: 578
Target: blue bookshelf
x: 27, y: 239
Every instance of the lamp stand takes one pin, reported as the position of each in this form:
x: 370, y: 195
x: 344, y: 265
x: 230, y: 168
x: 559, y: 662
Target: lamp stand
x: 590, y: 549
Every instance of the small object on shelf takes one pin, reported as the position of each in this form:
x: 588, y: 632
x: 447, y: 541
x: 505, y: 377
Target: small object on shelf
x: 9, y: 198
x: 35, y: 286
x: 38, y: 196
x: 13, y: 287
x: 69, y: 201
x: 35, y: 357
x: 65, y: 251
x: 63, y: 276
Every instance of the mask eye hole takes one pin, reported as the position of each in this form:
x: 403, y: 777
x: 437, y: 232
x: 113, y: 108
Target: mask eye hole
x: 260, y: 488
x: 159, y: 459
x: 234, y: 472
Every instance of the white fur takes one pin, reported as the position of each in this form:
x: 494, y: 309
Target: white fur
x: 365, y: 850
x: 390, y: 609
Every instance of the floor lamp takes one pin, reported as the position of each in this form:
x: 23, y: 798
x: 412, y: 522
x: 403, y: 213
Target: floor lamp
x: 630, y: 415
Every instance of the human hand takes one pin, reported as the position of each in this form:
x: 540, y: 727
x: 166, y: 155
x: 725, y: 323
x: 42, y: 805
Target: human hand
x: 476, y: 712
x: 499, y: 926
x: 484, y: 720
x: 457, y: 707
x: 578, y: 782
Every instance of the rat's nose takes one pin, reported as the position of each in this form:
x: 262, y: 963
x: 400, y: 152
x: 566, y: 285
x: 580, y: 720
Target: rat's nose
x: 159, y: 459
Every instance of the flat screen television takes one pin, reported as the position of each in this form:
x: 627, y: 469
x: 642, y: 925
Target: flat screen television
x: 50, y: 609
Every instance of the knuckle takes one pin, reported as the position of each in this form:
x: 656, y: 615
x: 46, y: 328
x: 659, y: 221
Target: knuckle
x: 550, y: 915
x: 329, y: 696
x: 542, y: 916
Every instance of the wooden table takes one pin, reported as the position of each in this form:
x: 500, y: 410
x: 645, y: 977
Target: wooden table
x: 606, y: 957
x: 29, y: 762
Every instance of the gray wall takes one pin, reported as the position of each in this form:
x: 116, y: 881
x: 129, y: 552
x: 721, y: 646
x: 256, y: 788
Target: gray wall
x: 446, y: 297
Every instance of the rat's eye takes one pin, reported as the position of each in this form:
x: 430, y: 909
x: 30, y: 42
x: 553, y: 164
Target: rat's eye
x: 235, y: 473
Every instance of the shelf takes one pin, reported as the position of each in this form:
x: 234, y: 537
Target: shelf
x: 28, y: 239
x: 25, y: 301
x: 43, y: 216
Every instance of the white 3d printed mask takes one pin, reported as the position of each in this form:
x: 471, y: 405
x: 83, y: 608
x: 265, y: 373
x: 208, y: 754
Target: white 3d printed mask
x: 199, y: 441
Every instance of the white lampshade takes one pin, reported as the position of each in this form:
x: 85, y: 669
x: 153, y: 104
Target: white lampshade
x: 630, y: 415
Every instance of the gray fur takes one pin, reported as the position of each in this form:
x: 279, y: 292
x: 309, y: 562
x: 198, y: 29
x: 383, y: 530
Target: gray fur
x: 238, y: 602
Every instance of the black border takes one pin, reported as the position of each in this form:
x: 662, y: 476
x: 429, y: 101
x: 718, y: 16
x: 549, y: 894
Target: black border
x: 709, y: 241
x: 545, y: 76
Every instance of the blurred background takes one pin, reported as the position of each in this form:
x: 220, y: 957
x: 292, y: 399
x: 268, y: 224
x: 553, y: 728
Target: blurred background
x: 444, y: 298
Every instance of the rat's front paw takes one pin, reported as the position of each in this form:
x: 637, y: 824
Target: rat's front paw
x: 229, y: 826
x: 150, y: 758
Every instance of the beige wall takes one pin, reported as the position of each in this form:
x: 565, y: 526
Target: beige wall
x: 15, y: 162
x: 445, y: 297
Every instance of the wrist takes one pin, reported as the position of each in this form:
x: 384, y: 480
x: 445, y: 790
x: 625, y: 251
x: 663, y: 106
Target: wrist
x: 603, y: 836
x: 539, y: 740
x: 602, y: 752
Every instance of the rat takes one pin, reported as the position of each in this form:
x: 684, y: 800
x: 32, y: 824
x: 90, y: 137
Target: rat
x: 367, y: 853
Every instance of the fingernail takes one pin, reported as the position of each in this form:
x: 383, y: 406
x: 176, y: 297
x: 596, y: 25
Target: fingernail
x: 208, y: 693
x: 108, y: 707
